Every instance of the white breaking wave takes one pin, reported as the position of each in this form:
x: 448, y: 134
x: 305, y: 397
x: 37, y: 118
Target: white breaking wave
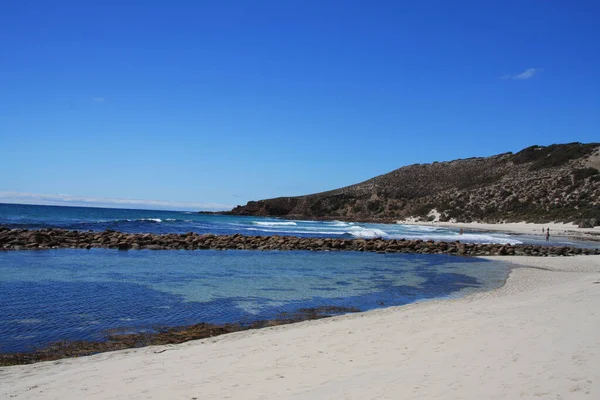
x: 360, y: 232
x: 103, y: 221
x: 341, y: 223
x: 151, y: 219
x: 286, y: 223
x: 466, y: 238
x: 412, y: 232
x: 292, y: 232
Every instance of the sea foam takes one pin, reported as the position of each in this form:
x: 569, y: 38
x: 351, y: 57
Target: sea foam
x: 263, y: 223
x: 360, y: 232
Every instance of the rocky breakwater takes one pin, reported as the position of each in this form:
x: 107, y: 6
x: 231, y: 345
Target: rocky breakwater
x: 23, y: 239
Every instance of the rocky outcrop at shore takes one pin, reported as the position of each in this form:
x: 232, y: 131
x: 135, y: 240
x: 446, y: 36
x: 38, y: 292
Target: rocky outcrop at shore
x: 23, y: 239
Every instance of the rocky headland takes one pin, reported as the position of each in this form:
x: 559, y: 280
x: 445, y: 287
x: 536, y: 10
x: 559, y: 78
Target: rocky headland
x: 540, y: 184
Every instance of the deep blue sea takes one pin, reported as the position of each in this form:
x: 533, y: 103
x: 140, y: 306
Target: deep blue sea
x: 68, y: 294
x: 148, y: 221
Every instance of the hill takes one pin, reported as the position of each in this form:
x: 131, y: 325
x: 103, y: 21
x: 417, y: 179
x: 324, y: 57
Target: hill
x: 558, y: 183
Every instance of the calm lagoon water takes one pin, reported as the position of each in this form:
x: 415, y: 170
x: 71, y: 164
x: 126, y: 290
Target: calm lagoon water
x: 65, y: 294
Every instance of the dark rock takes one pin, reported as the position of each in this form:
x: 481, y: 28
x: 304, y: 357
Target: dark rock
x: 57, y: 238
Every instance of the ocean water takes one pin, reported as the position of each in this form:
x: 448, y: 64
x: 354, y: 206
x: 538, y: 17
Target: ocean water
x: 147, y: 221
x: 69, y: 294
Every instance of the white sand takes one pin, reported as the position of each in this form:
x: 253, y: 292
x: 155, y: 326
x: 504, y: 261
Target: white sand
x: 521, y: 228
x: 538, y: 337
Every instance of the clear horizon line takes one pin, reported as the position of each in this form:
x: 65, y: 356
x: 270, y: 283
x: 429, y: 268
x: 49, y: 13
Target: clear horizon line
x: 13, y: 197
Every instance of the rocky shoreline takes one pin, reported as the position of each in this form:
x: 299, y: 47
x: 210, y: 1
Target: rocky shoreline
x: 43, y: 239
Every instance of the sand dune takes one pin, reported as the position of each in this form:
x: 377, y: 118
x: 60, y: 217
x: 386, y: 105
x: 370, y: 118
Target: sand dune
x: 536, y: 337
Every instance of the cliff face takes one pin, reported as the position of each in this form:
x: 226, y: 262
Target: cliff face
x: 538, y: 184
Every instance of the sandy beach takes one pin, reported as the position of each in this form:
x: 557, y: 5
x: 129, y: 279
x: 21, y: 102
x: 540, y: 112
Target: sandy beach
x: 536, y: 337
x: 520, y: 228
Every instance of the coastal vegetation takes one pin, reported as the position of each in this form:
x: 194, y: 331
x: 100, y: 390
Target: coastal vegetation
x: 559, y: 183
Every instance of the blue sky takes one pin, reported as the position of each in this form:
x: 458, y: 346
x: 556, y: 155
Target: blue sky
x: 223, y: 102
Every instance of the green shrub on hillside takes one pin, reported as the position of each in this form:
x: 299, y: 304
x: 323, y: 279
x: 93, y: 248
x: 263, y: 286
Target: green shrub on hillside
x: 582, y: 173
x: 553, y: 155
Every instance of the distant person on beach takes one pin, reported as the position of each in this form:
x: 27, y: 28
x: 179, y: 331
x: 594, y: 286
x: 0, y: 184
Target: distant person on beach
x: 461, y: 231
x: 547, y: 234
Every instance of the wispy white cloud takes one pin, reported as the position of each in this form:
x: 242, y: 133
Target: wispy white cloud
x: 69, y: 200
x: 99, y: 99
x: 527, y: 74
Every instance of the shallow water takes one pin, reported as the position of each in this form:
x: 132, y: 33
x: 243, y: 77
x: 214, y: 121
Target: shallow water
x: 66, y: 294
